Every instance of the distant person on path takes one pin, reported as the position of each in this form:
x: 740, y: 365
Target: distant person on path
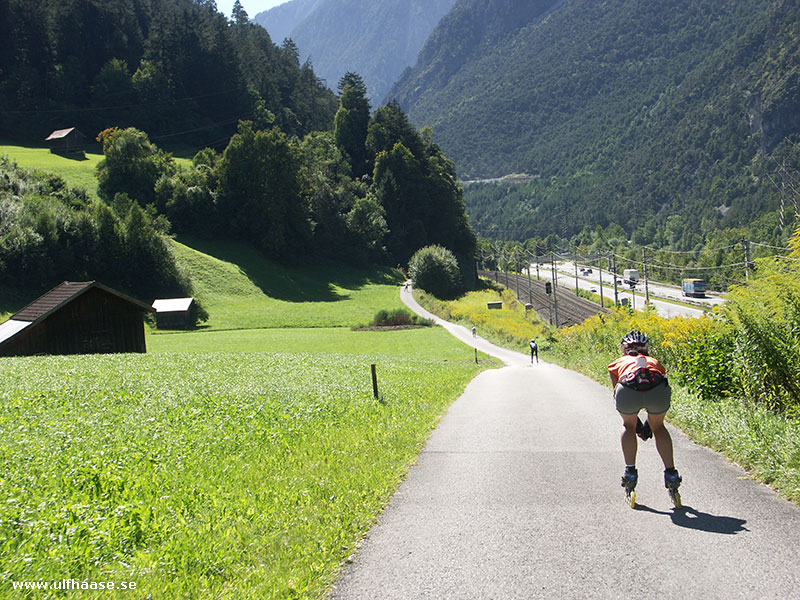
x: 640, y: 383
x: 534, y: 351
x: 474, y: 331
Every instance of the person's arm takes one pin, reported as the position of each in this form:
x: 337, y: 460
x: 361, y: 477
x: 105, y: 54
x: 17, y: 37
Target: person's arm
x: 613, y: 372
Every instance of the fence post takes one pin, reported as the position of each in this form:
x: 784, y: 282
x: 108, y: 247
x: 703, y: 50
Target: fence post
x: 374, y: 381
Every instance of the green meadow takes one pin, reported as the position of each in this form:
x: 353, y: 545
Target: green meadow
x: 245, y: 459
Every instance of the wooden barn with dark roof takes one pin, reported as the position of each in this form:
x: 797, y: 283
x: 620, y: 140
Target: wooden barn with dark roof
x: 66, y: 141
x: 83, y: 317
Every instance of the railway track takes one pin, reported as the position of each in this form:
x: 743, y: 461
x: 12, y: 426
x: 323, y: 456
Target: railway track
x: 572, y: 309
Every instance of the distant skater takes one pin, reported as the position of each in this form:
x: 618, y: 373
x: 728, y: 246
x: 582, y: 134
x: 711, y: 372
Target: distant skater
x: 534, y: 351
x: 474, y: 331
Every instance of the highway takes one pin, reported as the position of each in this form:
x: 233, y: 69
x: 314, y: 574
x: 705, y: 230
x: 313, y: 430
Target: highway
x: 657, y: 291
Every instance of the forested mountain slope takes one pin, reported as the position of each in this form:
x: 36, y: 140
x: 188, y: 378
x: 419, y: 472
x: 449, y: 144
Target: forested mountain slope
x: 635, y: 109
x: 177, y: 69
x: 375, y: 38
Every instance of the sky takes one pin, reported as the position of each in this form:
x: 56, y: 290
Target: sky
x: 252, y: 7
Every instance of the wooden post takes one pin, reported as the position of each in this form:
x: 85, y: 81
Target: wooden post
x: 476, y: 356
x: 374, y: 382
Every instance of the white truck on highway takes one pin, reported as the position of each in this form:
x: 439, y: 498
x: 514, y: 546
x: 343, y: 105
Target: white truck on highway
x: 630, y: 276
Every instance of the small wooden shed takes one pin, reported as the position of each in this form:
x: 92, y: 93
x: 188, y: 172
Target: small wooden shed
x: 83, y: 317
x: 175, y: 313
x: 66, y: 141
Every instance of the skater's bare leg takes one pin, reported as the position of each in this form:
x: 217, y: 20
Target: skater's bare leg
x: 663, y: 439
x: 628, y: 438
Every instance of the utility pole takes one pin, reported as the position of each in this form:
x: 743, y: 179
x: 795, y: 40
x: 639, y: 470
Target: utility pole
x: 783, y: 196
x: 505, y: 266
x: 613, y: 268
x: 646, y: 288
x: 555, y: 285
x: 530, y: 294
x: 600, y: 269
x: 575, y: 260
x: 747, y: 264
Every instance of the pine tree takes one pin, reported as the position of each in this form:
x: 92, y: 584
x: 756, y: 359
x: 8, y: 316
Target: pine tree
x: 352, y: 120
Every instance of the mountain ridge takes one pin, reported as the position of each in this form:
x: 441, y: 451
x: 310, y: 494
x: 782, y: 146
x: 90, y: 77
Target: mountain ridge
x: 376, y: 39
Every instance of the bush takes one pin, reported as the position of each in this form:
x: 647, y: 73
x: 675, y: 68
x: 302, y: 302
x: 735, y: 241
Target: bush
x: 435, y: 270
x: 399, y: 317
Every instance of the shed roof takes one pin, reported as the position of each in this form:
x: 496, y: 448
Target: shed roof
x: 63, y: 294
x: 59, y: 133
x: 172, y: 304
x: 11, y: 328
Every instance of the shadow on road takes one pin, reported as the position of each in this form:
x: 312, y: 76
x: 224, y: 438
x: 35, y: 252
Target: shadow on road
x: 694, y: 519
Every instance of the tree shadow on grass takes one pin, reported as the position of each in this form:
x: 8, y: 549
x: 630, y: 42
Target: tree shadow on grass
x: 306, y: 281
x: 688, y: 517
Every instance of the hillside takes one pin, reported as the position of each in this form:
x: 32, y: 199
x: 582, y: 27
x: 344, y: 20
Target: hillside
x: 376, y: 39
x: 242, y: 290
x: 637, y: 109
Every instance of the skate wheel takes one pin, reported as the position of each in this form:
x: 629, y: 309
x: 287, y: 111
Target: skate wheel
x: 631, y: 498
x: 676, y: 499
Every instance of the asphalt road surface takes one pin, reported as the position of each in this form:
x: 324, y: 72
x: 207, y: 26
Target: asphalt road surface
x: 517, y: 495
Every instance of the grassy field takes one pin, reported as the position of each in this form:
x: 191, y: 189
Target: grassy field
x: 244, y: 460
x: 206, y: 475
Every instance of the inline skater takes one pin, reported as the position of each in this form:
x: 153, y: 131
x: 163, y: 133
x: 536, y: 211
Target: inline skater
x: 534, y: 351
x: 640, y: 383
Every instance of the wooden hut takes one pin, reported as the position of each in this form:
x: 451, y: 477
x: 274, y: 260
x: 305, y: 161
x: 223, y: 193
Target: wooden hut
x: 66, y: 141
x: 175, y: 313
x: 83, y: 317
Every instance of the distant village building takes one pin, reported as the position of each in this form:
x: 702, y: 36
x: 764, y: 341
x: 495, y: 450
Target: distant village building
x: 175, y: 313
x: 83, y: 317
x: 66, y: 141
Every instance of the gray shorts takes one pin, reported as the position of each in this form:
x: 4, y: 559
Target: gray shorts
x: 655, y: 401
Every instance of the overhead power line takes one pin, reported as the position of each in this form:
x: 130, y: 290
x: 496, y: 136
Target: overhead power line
x: 690, y: 251
x: 116, y: 107
x: 769, y: 246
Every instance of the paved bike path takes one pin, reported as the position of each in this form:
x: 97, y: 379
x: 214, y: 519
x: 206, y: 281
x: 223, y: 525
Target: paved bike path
x: 516, y: 495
